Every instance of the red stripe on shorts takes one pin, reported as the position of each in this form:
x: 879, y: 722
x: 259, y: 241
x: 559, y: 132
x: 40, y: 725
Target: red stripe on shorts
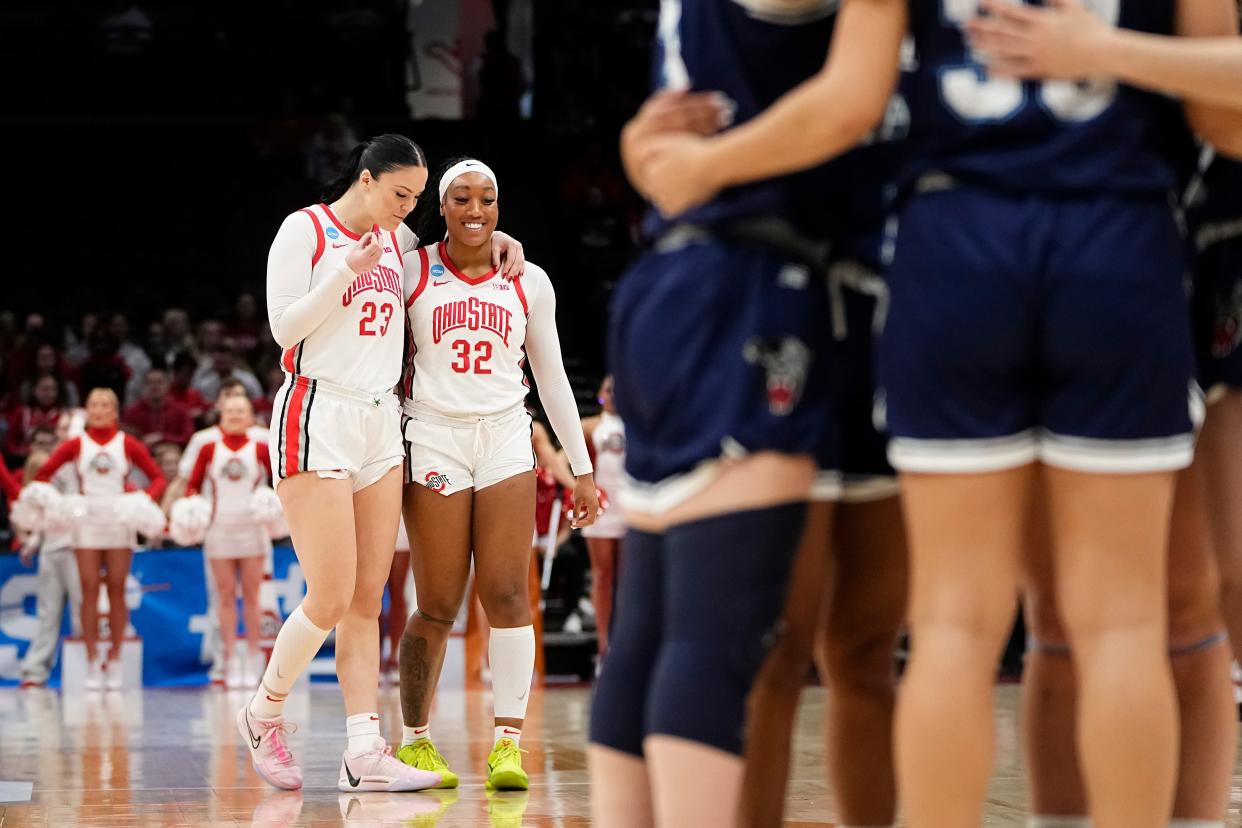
x: 293, y: 426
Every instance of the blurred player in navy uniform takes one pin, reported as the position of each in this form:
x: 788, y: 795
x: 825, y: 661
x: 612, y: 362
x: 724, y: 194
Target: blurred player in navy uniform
x: 848, y: 591
x: 719, y: 378
x: 1037, y: 333
x: 1066, y: 41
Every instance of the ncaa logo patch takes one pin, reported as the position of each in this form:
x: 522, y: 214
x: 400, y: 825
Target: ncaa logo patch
x: 436, y: 481
x: 332, y: 233
x: 437, y: 270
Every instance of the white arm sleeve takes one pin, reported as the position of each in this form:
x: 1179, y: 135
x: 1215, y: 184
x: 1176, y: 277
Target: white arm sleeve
x: 543, y: 347
x: 294, y: 308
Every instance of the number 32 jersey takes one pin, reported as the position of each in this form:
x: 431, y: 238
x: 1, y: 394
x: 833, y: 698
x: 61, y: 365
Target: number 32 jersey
x: 466, y: 352
x: 359, y: 344
x: 1053, y: 137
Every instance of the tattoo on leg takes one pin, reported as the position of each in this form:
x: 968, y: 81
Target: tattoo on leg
x: 416, y: 672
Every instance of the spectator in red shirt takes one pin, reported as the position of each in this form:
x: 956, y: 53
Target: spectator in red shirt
x: 156, y: 418
x: 180, y: 390
x: 44, y: 408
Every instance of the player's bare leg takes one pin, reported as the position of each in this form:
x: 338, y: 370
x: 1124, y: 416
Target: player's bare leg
x: 773, y: 702
x: 440, y: 560
x: 1220, y: 452
x: 503, y: 524
x: 398, y: 608
x: 320, y: 513
x: 856, y: 647
x: 1200, y: 661
x: 1113, y: 529
x: 377, y: 508
x: 964, y: 582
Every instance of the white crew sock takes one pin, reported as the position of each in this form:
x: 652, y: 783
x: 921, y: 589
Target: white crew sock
x: 506, y: 732
x: 410, y: 735
x: 296, y: 644
x: 1196, y: 823
x: 511, y: 653
x: 1058, y: 822
x: 363, y: 730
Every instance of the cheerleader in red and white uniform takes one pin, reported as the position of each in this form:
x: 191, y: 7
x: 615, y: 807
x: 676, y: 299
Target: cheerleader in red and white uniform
x: 103, y: 457
x: 230, y: 469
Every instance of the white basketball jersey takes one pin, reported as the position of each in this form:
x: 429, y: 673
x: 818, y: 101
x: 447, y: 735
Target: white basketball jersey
x: 608, y: 440
x: 234, y: 476
x: 467, y: 335
x: 360, y: 344
x: 102, y: 468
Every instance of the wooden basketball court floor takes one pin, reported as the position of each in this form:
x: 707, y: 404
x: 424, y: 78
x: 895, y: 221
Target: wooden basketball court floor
x: 172, y: 758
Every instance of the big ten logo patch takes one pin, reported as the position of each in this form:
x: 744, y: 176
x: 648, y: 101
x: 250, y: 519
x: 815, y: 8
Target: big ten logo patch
x: 436, y: 481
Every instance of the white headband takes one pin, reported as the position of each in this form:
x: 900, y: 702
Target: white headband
x: 461, y: 167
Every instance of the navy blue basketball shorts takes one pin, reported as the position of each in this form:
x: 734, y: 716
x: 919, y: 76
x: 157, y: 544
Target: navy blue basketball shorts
x: 855, y: 468
x: 716, y: 350
x: 1027, y: 329
x: 1218, y: 312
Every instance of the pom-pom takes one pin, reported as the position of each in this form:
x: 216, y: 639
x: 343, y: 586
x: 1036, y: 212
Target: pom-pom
x: 266, y: 509
x: 140, y: 513
x: 191, y: 516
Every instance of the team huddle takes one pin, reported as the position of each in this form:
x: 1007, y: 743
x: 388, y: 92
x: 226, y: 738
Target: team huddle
x: 943, y: 249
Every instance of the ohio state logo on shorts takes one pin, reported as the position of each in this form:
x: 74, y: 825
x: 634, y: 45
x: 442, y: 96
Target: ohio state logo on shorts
x: 102, y: 464
x: 436, y: 481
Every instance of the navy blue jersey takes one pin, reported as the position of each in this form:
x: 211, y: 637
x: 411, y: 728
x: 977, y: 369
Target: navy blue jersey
x: 1047, y: 138
x: 719, y: 45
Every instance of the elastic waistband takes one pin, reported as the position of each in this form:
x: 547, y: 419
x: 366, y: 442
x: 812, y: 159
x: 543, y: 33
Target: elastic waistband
x: 426, y: 416
x: 352, y: 395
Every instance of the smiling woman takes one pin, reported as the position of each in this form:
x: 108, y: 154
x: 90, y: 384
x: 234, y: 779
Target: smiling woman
x: 470, y: 480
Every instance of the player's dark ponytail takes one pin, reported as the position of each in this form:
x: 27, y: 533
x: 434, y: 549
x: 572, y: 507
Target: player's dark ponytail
x: 381, y: 154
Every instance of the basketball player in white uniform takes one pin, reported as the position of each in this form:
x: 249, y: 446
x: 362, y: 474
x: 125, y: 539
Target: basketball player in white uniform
x: 605, y: 434
x: 470, y: 463
x: 229, y: 469
x: 102, y: 458
x: 335, y: 305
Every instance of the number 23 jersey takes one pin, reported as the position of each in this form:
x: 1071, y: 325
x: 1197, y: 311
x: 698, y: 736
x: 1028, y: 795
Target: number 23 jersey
x: 1054, y: 137
x: 466, y: 355
x: 359, y: 344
